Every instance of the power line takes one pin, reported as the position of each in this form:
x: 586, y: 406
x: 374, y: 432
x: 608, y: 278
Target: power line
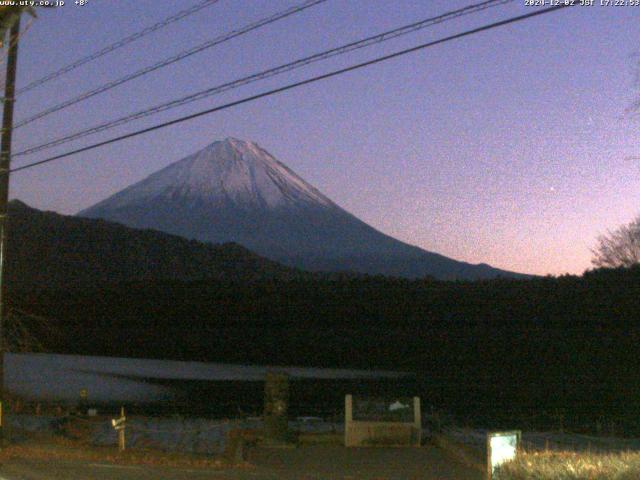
x: 349, y: 47
x: 291, y: 86
x: 120, y: 43
x: 168, y: 61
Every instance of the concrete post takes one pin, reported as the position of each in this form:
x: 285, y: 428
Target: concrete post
x: 276, y: 405
x: 348, y: 420
x: 417, y: 420
x: 121, y: 434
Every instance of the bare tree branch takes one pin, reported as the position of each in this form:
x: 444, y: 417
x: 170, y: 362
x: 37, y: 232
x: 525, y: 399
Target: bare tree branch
x: 618, y: 248
x: 23, y: 329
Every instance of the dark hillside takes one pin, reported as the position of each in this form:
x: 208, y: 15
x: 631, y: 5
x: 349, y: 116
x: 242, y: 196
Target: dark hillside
x: 46, y: 249
x: 544, y: 344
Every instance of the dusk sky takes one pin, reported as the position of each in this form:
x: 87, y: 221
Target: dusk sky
x: 510, y: 147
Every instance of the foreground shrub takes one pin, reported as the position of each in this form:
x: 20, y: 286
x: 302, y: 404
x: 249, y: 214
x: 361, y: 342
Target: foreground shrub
x: 571, y: 466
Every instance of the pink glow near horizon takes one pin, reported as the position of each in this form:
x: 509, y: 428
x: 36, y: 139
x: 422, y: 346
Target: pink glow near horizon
x: 510, y: 147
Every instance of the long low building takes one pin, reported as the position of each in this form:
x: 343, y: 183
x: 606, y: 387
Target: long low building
x: 221, y: 387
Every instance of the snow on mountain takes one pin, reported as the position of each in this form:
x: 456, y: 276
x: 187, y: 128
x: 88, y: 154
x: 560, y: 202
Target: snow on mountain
x: 231, y: 169
x: 234, y: 190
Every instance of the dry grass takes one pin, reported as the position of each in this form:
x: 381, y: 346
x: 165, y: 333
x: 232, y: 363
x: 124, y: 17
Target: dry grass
x: 51, y: 447
x: 462, y: 453
x: 571, y: 466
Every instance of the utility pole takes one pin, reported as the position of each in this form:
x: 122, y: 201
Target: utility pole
x: 5, y: 166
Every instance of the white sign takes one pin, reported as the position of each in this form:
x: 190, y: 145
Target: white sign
x: 501, y: 447
x: 118, y: 423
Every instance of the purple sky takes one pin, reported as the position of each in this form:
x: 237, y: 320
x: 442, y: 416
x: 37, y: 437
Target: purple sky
x: 509, y: 147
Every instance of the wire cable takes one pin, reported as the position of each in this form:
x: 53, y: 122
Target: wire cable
x: 120, y: 43
x: 176, y: 58
x: 349, y: 47
x: 291, y: 86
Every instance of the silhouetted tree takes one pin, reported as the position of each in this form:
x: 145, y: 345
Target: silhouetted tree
x: 619, y: 248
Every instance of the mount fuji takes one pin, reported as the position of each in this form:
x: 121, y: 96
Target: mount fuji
x: 234, y: 190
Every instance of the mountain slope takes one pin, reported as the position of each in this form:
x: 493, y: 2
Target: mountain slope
x: 50, y: 250
x: 234, y: 190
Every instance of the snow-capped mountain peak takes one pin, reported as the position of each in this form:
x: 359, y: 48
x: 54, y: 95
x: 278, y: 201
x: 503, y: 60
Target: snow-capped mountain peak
x: 230, y: 170
x: 234, y: 190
